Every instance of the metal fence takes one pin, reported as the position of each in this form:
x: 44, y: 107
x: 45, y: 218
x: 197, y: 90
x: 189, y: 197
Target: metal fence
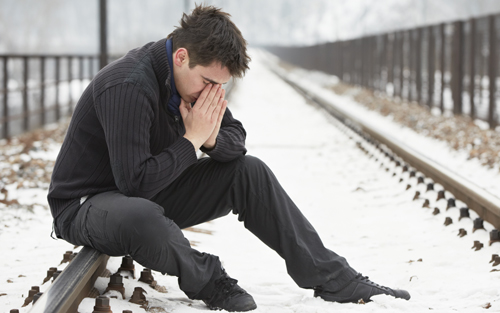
x: 40, y: 89
x: 448, y: 66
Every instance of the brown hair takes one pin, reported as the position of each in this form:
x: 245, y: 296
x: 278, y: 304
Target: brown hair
x: 209, y: 35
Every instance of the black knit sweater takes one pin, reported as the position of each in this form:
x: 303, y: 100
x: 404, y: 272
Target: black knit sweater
x: 122, y: 137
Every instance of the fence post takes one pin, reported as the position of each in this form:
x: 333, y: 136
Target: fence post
x: 492, y: 66
x: 457, y: 72
x: 431, y: 63
x: 5, y: 126
x: 25, y: 94
x: 418, y: 65
x: 57, y: 78
x: 401, y: 63
x: 411, y: 66
x: 70, y: 80
x: 472, y: 68
x: 42, y: 90
x: 443, y: 67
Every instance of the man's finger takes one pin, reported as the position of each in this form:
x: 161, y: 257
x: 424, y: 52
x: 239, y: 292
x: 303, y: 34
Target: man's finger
x: 213, y: 96
x: 200, y: 103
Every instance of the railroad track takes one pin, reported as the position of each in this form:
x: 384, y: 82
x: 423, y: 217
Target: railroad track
x: 414, y: 168
x: 76, y: 281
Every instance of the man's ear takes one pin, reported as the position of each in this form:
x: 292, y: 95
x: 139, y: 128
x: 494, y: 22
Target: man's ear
x: 181, y: 56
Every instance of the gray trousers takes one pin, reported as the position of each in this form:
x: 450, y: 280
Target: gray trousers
x: 150, y: 230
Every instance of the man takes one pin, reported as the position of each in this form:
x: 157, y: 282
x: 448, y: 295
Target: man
x: 127, y: 179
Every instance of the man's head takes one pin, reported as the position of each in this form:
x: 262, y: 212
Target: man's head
x: 210, y: 36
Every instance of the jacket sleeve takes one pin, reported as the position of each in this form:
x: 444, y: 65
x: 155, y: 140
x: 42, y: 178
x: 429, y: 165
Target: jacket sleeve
x: 230, y: 142
x: 126, y: 115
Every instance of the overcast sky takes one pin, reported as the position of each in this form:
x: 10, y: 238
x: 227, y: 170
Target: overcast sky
x: 71, y: 26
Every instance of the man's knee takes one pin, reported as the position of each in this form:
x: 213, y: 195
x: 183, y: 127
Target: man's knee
x: 256, y: 168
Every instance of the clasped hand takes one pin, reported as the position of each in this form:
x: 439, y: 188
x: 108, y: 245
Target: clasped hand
x: 203, y: 121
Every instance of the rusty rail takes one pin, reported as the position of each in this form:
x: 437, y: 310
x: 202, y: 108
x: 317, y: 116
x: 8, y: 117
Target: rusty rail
x: 486, y: 205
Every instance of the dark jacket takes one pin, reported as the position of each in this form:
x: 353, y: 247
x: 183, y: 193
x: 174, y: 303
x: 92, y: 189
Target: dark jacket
x: 122, y: 137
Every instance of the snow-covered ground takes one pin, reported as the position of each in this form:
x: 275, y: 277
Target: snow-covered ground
x: 359, y: 209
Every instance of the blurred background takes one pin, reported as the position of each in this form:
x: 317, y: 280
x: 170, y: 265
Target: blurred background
x: 71, y: 26
x: 50, y: 49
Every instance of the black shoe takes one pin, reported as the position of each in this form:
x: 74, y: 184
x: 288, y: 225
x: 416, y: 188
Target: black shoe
x: 227, y: 295
x: 359, y: 290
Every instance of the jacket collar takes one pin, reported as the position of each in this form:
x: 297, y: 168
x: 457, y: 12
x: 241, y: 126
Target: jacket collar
x: 159, y: 59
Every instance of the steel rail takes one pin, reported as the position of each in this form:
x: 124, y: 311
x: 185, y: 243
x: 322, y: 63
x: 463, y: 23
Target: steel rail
x: 486, y: 205
x: 73, y: 284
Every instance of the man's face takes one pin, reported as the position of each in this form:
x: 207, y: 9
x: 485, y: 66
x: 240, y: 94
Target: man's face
x: 190, y: 82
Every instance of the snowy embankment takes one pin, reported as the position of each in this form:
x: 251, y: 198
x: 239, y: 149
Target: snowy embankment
x: 361, y: 211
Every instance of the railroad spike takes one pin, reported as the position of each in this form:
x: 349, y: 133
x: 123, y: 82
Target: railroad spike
x: 50, y: 273
x: 420, y: 180
x: 436, y: 211
x: 31, y: 293
x: 448, y: 221
x: 493, y: 257
x: 464, y: 213
x: 127, y: 265
x: 462, y: 232
x: 496, y: 261
x: 416, y: 196
x: 430, y: 186
x: 147, y: 277
x: 67, y: 257
x: 477, y: 245
x: 440, y: 195
x: 102, y: 305
x: 478, y: 224
x: 494, y: 236
x: 138, y: 296
x: 451, y: 204
x: 426, y: 203
x: 116, y: 283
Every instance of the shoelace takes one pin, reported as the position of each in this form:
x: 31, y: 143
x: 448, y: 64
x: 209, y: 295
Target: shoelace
x: 225, y: 289
x: 366, y: 278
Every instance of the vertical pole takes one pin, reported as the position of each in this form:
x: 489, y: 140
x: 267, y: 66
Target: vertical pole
x: 5, y: 126
x: 443, y: 66
x: 391, y: 60
x: 80, y: 72
x: 401, y: 63
x: 103, y: 42
x: 70, y: 81
x: 431, y: 62
x: 472, y: 68
x: 25, y: 94
x: 57, y: 70
x: 42, y: 90
x: 411, y: 66
x: 418, y: 64
x: 492, y: 71
x: 341, y: 60
x: 458, y: 66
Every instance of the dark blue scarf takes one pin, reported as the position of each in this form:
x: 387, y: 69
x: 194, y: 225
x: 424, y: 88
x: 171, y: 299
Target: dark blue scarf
x: 175, y: 98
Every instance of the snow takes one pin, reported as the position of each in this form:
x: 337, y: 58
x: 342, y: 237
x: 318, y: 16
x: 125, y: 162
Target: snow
x: 360, y: 210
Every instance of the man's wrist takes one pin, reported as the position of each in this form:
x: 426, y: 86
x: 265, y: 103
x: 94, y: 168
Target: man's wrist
x: 209, y: 147
x: 196, y: 144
